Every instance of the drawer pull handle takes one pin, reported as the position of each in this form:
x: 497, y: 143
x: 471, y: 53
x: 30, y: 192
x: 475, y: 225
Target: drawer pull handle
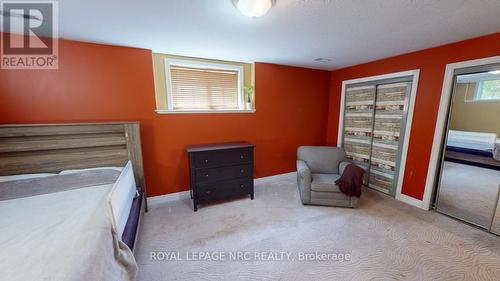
x: 206, y: 175
x: 242, y: 171
x: 242, y: 185
x: 242, y: 157
x: 206, y: 160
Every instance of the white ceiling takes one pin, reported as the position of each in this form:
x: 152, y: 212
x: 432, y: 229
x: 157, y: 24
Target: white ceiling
x: 294, y: 32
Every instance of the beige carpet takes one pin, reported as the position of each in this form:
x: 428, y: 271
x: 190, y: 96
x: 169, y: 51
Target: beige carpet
x: 469, y: 192
x: 386, y: 240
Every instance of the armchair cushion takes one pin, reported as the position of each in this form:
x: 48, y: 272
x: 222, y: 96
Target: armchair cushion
x: 325, y: 182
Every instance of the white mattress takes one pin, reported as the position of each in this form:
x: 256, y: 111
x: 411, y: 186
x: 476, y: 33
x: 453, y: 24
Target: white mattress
x: 65, y: 236
x: 120, y: 196
x: 472, y: 140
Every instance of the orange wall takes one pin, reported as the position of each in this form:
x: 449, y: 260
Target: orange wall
x: 109, y: 83
x: 432, y: 64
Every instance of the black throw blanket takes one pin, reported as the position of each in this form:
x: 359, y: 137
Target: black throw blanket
x: 351, y: 180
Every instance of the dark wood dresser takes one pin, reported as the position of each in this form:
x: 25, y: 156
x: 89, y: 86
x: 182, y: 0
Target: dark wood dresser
x: 220, y: 171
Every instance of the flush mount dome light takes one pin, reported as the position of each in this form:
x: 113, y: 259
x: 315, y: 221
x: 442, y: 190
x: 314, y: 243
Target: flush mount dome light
x: 322, y: 60
x: 254, y: 8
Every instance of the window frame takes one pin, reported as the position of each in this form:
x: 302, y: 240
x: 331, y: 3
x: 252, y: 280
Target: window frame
x: 206, y: 65
x: 478, y: 93
x: 478, y: 89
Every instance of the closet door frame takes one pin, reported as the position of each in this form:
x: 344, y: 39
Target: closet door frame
x: 435, y: 203
x: 385, y: 79
x: 442, y: 117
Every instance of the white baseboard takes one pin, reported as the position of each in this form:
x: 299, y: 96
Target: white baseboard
x: 186, y: 194
x: 169, y: 197
x: 275, y: 177
x: 411, y: 201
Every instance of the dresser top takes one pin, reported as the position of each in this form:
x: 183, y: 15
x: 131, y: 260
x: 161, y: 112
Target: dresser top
x: 218, y: 146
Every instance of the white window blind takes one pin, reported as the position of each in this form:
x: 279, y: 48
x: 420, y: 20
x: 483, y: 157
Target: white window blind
x: 194, y: 88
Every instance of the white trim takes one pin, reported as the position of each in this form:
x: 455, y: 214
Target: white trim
x: 441, y: 122
x: 202, y: 64
x: 483, y: 101
x: 274, y: 177
x: 169, y: 197
x: 406, y: 141
x: 409, y: 119
x: 411, y: 201
x: 183, y: 195
x: 186, y: 194
x: 163, y: 111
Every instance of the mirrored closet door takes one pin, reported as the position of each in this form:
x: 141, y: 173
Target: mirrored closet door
x: 374, y: 123
x: 469, y: 180
x: 495, y: 225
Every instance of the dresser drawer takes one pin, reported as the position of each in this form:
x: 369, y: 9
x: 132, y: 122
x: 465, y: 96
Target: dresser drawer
x: 223, y: 173
x: 222, y: 157
x: 220, y: 171
x: 225, y: 189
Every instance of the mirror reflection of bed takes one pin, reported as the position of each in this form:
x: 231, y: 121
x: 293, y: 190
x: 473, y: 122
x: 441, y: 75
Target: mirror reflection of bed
x: 469, y: 182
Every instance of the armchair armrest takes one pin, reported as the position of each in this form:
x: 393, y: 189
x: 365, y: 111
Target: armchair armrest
x: 303, y: 171
x: 304, y: 179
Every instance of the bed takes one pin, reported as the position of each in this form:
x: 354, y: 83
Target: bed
x: 473, y: 148
x: 76, y: 211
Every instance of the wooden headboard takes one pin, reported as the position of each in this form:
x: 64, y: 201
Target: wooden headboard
x: 51, y: 148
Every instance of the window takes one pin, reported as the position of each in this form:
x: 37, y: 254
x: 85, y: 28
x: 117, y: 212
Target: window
x: 203, y: 86
x: 488, y: 90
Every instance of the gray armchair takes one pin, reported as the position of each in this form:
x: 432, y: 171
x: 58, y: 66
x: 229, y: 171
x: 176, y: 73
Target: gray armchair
x: 318, y: 167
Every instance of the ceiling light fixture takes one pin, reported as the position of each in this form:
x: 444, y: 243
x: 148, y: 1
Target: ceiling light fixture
x: 254, y: 8
x: 494, y: 72
x: 322, y: 60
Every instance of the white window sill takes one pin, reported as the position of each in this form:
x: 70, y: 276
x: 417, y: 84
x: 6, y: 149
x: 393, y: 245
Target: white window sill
x: 483, y: 101
x: 163, y: 111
